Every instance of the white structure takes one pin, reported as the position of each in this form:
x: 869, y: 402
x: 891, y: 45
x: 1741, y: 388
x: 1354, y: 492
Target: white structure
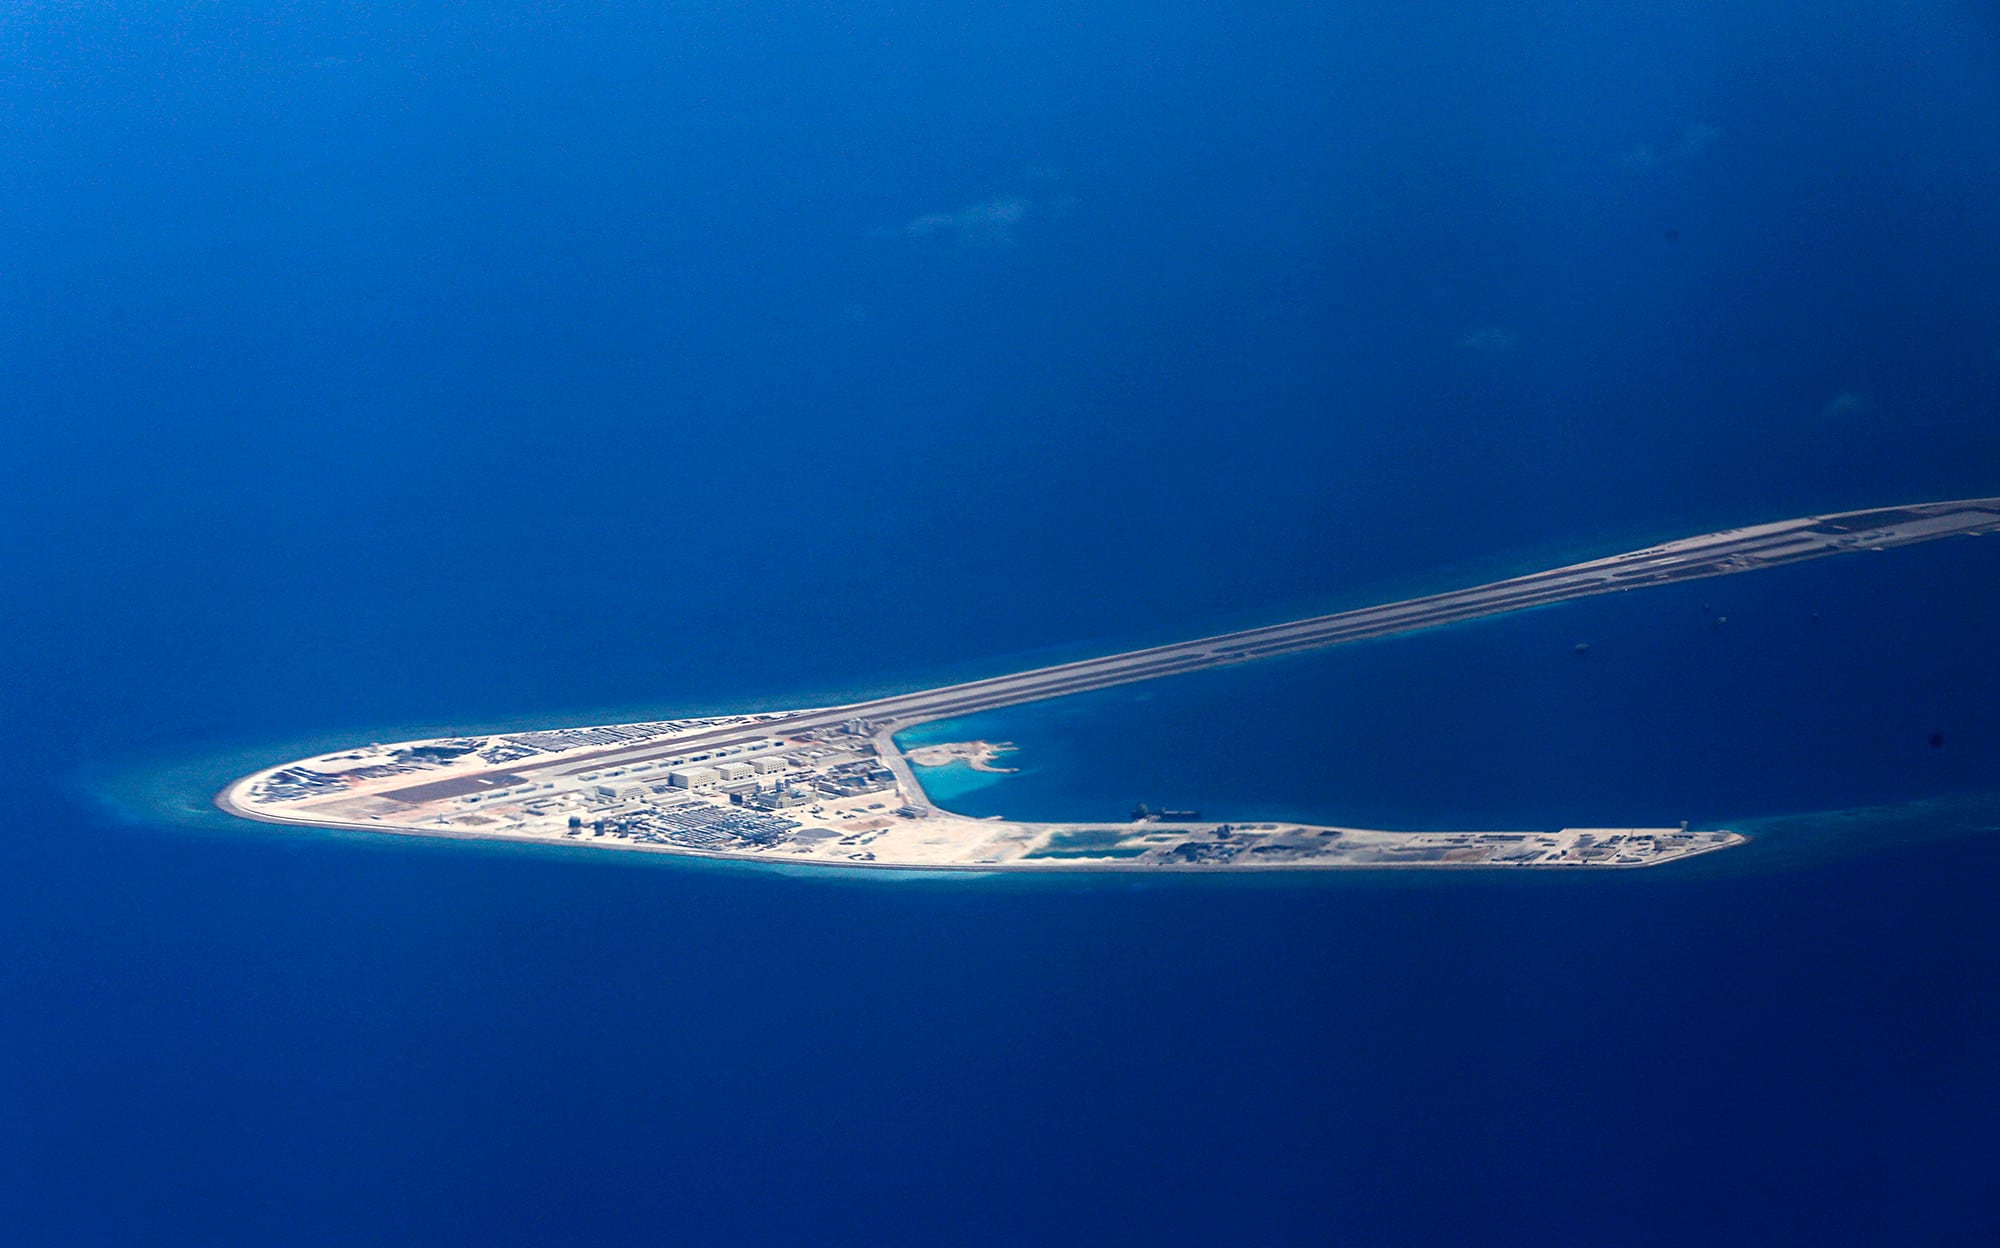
x: 693, y: 777
x: 735, y: 771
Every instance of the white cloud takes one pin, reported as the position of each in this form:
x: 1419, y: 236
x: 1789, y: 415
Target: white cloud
x: 925, y: 226
x: 990, y: 224
x: 1695, y: 140
x: 1489, y: 340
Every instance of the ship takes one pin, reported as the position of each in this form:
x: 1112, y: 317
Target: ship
x: 1143, y: 813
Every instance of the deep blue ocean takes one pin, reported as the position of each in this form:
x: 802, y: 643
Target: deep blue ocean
x: 379, y: 372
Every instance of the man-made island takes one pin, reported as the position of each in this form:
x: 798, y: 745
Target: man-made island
x: 830, y: 785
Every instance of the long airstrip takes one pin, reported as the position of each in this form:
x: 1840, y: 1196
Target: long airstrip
x: 830, y: 785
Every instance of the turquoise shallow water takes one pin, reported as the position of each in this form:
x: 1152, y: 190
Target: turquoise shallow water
x: 1815, y: 687
x: 376, y: 371
x: 954, y: 780
x: 1332, y: 1042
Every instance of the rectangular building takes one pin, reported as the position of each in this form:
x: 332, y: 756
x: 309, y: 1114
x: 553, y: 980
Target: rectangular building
x: 694, y: 777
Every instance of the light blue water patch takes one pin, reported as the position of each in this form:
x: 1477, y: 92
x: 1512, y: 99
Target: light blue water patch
x: 421, y: 364
x: 954, y: 780
x: 1849, y: 682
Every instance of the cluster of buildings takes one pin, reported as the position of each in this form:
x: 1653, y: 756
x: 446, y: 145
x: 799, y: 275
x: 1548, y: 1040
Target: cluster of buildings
x: 694, y: 825
x: 518, y: 745
x: 728, y: 796
x: 297, y: 783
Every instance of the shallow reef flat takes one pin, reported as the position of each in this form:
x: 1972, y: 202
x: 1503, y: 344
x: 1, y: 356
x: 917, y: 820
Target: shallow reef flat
x: 831, y: 785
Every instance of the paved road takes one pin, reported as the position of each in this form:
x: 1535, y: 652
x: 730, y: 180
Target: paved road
x: 1712, y: 554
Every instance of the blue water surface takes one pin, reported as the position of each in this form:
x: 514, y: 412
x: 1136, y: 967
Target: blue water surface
x: 379, y: 372
x: 1818, y: 686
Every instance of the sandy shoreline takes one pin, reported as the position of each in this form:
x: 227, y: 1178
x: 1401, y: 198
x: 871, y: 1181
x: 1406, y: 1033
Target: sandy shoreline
x: 863, y: 813
x: 1028, y: 867
x: 830, y: 786
x: 978, y: 755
